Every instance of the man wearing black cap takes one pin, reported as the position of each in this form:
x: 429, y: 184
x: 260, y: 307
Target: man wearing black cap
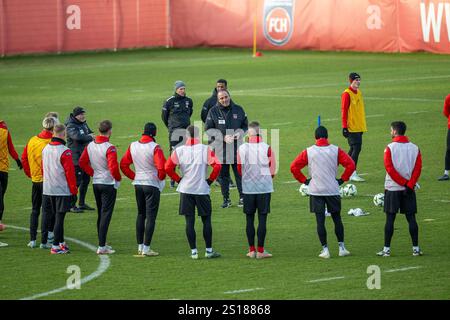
x: 148, y: 180
x: 353, y: 119
x: 323, y: 160
x: 79, y: 135
x: 176, y: 114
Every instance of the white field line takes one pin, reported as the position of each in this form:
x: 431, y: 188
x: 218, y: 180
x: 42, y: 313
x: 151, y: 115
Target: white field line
x: 102, y: 267
x: 281, y: 124
x: 429, y: 220
x: 292, y: 181
x: 403, y: 269
x: 325, y: 279
x: 445, y: 201
x: 243, y: 290
x: 97, y: 101
x: 169, y: 194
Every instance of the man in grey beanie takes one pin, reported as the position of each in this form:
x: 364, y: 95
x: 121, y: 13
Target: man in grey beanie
x: 176, y: 114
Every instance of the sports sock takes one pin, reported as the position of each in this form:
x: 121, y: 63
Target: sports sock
x: 252, y: 248
x: 140, y: 247
x: 416, y: 248
x: 446, y: 172
x: 193, y: 251
x: 146, y: 248
x: 260, y: 249
x: 325, y: 247
x: 387, y: 249
x: 209, y: 250
x: 341, y: 245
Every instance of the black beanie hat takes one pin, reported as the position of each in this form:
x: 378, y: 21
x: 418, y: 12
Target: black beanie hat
x: 77, y: 111
x: 321, y: 132
x: 352, y: 76
x: 150, y: 129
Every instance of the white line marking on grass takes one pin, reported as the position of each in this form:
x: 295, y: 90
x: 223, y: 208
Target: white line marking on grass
x: 415, y: 112
x: 169, y: 194
x: 429, y: 220
x: 403, y: 269
x: 325, y: 279
x: 122, y: 199
x: 243, y: 290
x: 294, y: 181
x: 98, y: 101
x: 102, y: 267
x: 445, y: 201
x: 281, y: 124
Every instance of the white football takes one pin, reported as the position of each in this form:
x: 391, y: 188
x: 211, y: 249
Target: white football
x: 304, y: 190
x: 349, y: 190
x: 378, y: 199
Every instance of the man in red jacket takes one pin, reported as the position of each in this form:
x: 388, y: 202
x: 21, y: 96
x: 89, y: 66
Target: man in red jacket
x: 403, y: 164
x: 148, y: 180
x: 447, y: 154
x: 99, y: 160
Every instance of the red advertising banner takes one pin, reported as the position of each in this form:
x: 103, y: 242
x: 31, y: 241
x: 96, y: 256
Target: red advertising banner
x: 74, y: 25
x: 362, y: 25
x: 28, y: 26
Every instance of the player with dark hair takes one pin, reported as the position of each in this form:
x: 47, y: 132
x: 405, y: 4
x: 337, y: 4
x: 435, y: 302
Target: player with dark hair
x: 323, y: 160
x: 99, y: 160
x: 193, y: 159
x: 148, y: 159
x: 353, y: 119
x: 403, y: 163
x: 256, y: 165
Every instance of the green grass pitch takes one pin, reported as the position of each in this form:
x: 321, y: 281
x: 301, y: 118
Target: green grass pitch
x: 282, y: 90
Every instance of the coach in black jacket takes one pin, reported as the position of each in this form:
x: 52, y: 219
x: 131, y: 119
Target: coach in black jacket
x: 226, y: 125
x: 221, y: 84
x: 79, y: 135
x: 176, y: 114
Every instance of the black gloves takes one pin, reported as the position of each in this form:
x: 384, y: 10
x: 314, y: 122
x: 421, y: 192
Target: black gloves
x: 345, y: 132
x: 407, y: 190
x: 340, y: 181
x: 307, y: 181
x: 209, y: 181
x: 19, y: 164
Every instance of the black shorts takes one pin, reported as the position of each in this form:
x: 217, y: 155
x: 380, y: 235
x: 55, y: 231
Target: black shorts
x: 398, y: 200
x: 260, y: 201
x: 354, y: 138
x: 56, y: 204
x: 188, y: 202
x: 317, y: 204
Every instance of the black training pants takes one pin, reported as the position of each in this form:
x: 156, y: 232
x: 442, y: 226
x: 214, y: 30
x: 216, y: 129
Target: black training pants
x: 105, y: 198
x: 225, y: 180
x: 355, y: 143
x: 250, y: 229
x: 3, y: 187
x: 389, y: 228
x: 190, y: 230
x: 447, y: 153
x: 338, y: 227
x: 83, y: 180
x: 147, y: 199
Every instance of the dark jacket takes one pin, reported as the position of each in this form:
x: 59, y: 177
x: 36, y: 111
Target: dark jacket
x: 176, y: 112
x: 78, y: 137
x: 221, y: 118
x: 208, y: 104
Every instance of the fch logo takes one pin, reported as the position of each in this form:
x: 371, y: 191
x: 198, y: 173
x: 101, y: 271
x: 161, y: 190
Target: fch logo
x: 278, y: 21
